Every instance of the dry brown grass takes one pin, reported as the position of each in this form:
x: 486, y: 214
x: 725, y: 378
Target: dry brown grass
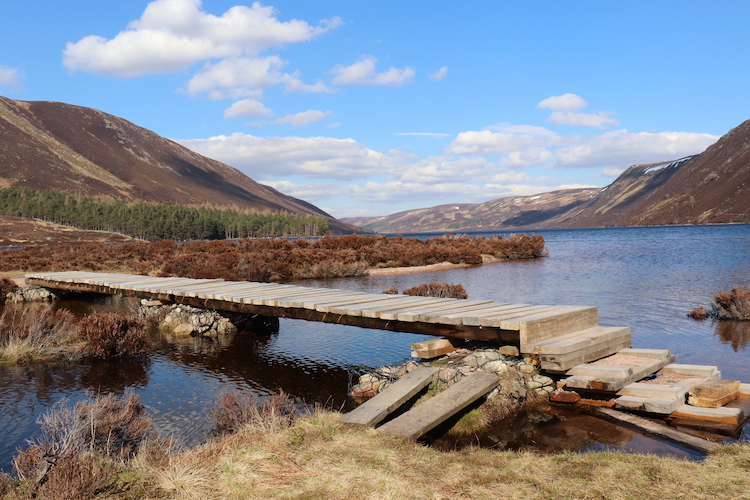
x: 34, y: 333
x: 112, y: 335
x: 318, y: 457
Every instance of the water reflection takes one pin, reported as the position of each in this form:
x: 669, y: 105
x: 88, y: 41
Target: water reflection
x: 734, y: 333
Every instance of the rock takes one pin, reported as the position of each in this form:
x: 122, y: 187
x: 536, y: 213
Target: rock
x: 447, y: 375
x: 526, y: 368
x: 496, y: 366
x: 367, y: 378
x: 151, y: 303
x: 183, y: 330
x: 509, y: 350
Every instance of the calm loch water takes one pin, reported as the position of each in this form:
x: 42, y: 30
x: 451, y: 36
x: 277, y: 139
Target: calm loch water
x: 645, y: 278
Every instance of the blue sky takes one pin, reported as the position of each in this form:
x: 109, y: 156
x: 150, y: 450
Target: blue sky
x: 369, y: 108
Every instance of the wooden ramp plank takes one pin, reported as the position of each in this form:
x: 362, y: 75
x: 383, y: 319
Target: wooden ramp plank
x: 424, y: 417
x: 657, y: 430
x: 552, y: 324
x: 576, y: 341
x: 376, y: 409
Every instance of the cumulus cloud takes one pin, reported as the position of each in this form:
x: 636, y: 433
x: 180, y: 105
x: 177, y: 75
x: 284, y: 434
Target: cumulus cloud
x: 303, y: 118
x: 9, y: 77
x: 424, y: 134
x: 312, y: 157
x: 363, y: 72
x: 522, y: 129
x: 565, y: 102
x: 621, y: 148
x: 247, y: 108
x: 439, y: 74
x: 599, y: 120
x: 172, y: 35
x: 488, y: 142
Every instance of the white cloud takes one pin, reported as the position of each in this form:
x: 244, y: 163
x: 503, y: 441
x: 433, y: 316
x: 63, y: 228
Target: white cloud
x: 313, y: 157
x: 565, y: 102
x: 441, y: 169
x: 522, y: 129
x: 424, y: 134
x: 528, y: 158
x: 621, y: 148
x: 172, y: 35
x: 363, y: 72
x: 9, y: 77
x: 439, y: 74
x: 488, y: 142
x: 303, y: 118
x: 613, y: 171
x: 240, y: 74
x: 599, y: 120
x: 247, y: 108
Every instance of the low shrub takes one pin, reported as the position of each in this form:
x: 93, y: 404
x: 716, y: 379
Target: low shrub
x: 33, y: 333
x: 66, y: 461
x: 235, y: 409
x: 6, y: 286
x: 391, y: 291
x: 732, y: 305
x: 442, y: 290
x: 112, y: 335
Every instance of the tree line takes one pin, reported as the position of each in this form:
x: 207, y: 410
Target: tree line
x: 155, y: 221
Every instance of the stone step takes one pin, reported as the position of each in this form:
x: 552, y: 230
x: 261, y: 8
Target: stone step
x: 650, y: 405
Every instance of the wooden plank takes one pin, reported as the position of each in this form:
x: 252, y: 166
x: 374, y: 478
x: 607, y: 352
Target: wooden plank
x: 577, y: 340
x: 614, y: 384
x: 723, y: 415
x: 433, y: 348
x: 495, y: 321
x: 356, y: 309
x: 656, y: 391
x: 649, y: 405
x: 424, y: 417
x: 564, y: 362
x: 656, y: 430
x: 376, y: 409
x: 705, y: 371
x: 415, y: 311
x: 404, y: 304
x: 474, y: 319
x: 429, y: 313
x: 552, y: 324
x: 350, y: 300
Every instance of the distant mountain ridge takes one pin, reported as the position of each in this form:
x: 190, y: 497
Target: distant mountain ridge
x: 709, y: 188
x: 52, y: 145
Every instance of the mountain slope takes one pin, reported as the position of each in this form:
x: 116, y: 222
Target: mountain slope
x: 52, y: 145
x: 710, y: 188
x: 514, y: 212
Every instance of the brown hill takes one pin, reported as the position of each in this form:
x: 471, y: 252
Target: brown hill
x: 710, y: 188
x: 52, y: 145
x: 515, y: 212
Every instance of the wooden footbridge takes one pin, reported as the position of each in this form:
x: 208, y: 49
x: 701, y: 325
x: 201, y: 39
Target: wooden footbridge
x: 565, y: 340
x: 485, y: 320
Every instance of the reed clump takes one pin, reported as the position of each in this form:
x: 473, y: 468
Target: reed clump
x: 35, y: 333
x: 727, y: 305
x: 43, y: 334
x: 272, y: 260
x: 442, y: 290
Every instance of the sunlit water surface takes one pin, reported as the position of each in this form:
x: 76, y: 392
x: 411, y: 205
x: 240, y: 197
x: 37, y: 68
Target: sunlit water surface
x: 645, y: 278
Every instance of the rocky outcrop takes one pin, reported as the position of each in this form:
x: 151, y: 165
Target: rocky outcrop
x: 184, y: 320
x: 521, y: 380
x: 31, y: 293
